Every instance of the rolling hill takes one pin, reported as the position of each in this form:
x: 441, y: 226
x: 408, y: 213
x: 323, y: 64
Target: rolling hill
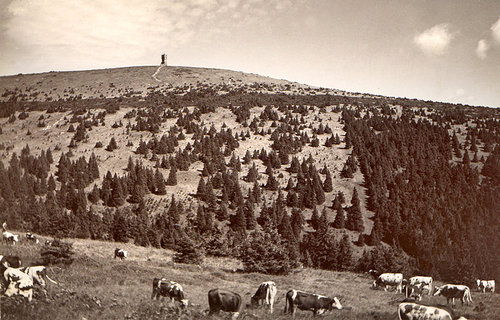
x: 250, y: 172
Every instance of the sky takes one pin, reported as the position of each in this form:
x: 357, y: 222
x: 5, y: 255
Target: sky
x: 441, y: 50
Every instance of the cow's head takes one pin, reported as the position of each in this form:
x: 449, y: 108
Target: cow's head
x: 437, y: 291
x: 184, y: 303
x: 254, y: 301
x: 335, y: 304
x: 12, y: 289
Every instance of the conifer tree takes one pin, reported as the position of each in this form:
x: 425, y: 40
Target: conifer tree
x: 201, y: 190
x: 354, y: 219
x: 339, y: 221
x: 172, y: 177
x: 272, y: 183
x: 252, y: 175
x: 159, y: 183
x: 345, y: 256
x: 238, y: 221
x: 328, y: 184
x: 314, y: 218
x: 173, y: 212
x: 112, y: 145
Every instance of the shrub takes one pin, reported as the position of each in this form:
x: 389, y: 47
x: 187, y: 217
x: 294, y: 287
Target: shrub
x: 58, y: 252
x: 188, y: 253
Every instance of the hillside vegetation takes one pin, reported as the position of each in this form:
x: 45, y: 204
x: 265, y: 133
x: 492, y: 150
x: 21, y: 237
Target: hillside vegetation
x: 275, y: 175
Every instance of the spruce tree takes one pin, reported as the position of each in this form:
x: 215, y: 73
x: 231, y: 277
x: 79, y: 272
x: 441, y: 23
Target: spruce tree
x: 345, y: 256
x: 339, y: 221
x: 354, y: 219
x: 172, y: 176
x: 159, y: 183
x: 328, y: 184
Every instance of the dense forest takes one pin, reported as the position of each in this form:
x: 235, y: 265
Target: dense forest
x: 435, y: 197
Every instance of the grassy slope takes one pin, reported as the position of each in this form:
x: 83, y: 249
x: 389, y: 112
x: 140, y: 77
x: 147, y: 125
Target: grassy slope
x: 114, y: 82
x: 96, y: 286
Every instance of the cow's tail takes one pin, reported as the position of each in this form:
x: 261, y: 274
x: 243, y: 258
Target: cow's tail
x: 48, y: 278
x: 286, y: 304
x: 468, y: 296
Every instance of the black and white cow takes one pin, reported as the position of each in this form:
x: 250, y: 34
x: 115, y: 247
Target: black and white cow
x: 310, y: 302
x: 485, y: 285
x: 452, y: 291
x: 120, y: 253
x: 416, y: 286
x: 225, y: 300
x: 17, y: 283
x: 37, y: 275
x: 413, y: 311
x: 389, y: 279
x: 170, y: 289
x: 265, y: 294
x: 32, y: 238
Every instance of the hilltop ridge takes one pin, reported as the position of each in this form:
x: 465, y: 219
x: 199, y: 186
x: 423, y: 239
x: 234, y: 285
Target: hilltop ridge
x: 129, y: 81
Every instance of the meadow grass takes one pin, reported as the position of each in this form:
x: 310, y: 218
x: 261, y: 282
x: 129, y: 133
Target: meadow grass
x: 96, y: 286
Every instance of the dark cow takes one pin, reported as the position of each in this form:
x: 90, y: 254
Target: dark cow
x: 120, y: 253
x: 225, y: 300
x: 9, y: 261
x: 310, y: 302
x: 170, y: 289
x: 452, y: 291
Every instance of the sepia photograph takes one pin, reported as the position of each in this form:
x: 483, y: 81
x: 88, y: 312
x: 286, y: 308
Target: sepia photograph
x: 249, y: 159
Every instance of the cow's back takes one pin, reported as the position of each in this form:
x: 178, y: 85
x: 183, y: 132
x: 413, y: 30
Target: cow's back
x: 225, y: 300
x: 413, y: 311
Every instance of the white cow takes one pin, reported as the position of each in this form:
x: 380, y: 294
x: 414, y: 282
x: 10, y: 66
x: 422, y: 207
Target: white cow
x: 266, y: 293
x: 452, y: 291
x: 483, y: 285
x: 416, y: 285
x: 9, y: 237
x: 389, y: 279
x: 37, y: 274
x: 413, y: 311
x: 19, y: 283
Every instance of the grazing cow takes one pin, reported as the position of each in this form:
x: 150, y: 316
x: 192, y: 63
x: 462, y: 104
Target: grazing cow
x: 483, y: 285
x: 120, y: 253
x: 309, y: 302
x: 225, y: 300
x: 171, y: 289
x: 31, y: 238
x: 10, y: 238
x: 37, y: 274
x: 452, y: 291
x: 413, y: 311
x: 265, y: 293
x: 416, y: 286
x: 18, y: 283
x: 389, y: 279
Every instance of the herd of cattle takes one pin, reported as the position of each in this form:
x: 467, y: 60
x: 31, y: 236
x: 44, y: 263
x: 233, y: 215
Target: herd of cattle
x: 18, y: 280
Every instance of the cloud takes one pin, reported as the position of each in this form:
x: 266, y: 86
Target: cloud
x: 495, y: 30
x: 482, y: 49
x: 435, y: 41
